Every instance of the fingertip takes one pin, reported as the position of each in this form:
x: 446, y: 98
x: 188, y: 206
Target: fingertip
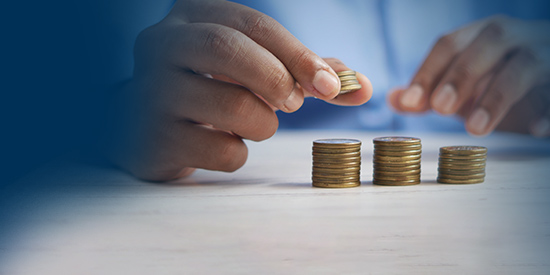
x: 477, y: 123
x: 326, y: 83
x: 393, y: 99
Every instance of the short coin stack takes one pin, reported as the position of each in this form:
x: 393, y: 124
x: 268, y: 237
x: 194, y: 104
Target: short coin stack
x: 336, y: 163
x: 462, y: 164
x: 348, y: 81
x: 396, y: 160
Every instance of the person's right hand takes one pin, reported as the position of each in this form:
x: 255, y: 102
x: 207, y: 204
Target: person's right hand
x: 208, y: 75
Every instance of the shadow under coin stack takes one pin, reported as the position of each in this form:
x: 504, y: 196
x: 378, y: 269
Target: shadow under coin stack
x: 336, y: 163
x: 396, y: 161
x: 348, y: 81
x: 462, y: 164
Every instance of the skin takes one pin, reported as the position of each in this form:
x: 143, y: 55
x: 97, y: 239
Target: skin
x: 209, y: 75
x: 494, y: 73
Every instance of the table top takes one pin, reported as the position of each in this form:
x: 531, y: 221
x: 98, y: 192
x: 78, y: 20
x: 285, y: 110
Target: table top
x: 266, y: 218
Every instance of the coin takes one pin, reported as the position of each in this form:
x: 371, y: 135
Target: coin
x: 389, y: 147
x: 395, y: 183
x: 462, y: 167
x: 350, y: 88
x: 460, y: 172
x: 334, y: 165
x: 336, y: 143
x: 396, y: 153
x: 337, y: 150
x: 411, y: 157
x: 392, y: 173
x: 347, y: 77
x: 397, y: 140
x: 395, y: 168
x: 463, y: 149
x: 344, y: 73
x: 337, y: 185
x: 453, y: 181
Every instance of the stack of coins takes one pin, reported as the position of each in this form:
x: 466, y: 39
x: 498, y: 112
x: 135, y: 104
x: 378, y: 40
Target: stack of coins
x: 336, y: 163
x: 462, y: 164
x: 348, y: 82
x: 396, y: 160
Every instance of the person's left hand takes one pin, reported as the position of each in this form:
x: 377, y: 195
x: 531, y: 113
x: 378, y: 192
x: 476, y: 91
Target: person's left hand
x: 494, y: 73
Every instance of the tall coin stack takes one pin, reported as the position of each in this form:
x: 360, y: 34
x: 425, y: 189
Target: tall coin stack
x: 462, y: 164
x: 348, y: 81
x: 336, y: 163
x: 396, y: 160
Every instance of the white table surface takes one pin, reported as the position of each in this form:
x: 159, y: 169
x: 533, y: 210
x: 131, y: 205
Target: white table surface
x: 71, y: 218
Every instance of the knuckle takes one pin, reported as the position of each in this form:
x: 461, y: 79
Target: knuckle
x: 496, y: 29
x: 528, y: 56
x: 498, y: 98
x: 258, y: 25
x: 239, y: 106
x: 301, y: 59
x: 446, y: 43
x: 222, y: 43
x: 463, y: 71
x: 278, y: 84
x: 257, y: 120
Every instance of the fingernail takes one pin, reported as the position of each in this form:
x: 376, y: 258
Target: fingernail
x: 293, y: 102
x: 411, y: 97
x: 445, y: 100
x: 325, y: 83
x: 478, y: 121
x: 541, y: 128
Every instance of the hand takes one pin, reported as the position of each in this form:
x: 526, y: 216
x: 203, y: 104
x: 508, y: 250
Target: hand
x: 494, y: 73
x: 208, y: 75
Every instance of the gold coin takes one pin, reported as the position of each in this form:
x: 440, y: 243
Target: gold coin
x: 397, y: 178
x: 398, y: 163
x: 335, y: 180
x: 337, y: 155
x: 336, y: 150
x: 461, y: 177
x: 460, y: 172
x: 389, y: 147
x: 349, y: 82
x: 395, y: 183
x: 452, y: 181
x: 317, y: 174
x: 378, y: 158
x: 462, y: 157
x: 336, y: 143
x: 343, y: 73
x: 386, y: 168
x: 347, y: 161
x: 462, y: 167
x: 336, y: 165
x: 347, y: 77
x: 337, y: 185
x: 463, y: 150
x: 349, y: 88
x: 397, y: 140
x: 345, y: 169
x: 399, y: 173
x: 462, y: 161
x: 395, y: 153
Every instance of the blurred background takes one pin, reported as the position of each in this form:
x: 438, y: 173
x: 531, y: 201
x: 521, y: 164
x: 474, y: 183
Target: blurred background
x: 61, y: 59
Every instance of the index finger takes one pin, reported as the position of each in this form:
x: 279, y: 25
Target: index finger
x: 311, y: 71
